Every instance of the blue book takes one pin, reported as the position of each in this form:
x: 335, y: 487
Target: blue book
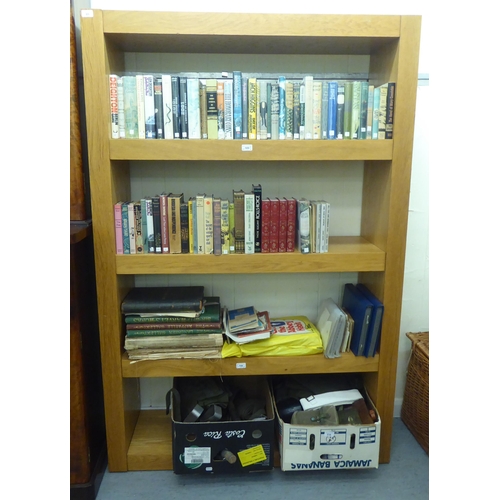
x: 282, y: 107
x: 373, y: 336
x: 126, y: 235
x: 237, y: 105
x: 332, y: 110
x: 360, y: 308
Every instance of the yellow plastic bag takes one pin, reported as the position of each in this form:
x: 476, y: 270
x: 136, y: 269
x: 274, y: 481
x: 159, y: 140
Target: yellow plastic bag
x: 286, y: 343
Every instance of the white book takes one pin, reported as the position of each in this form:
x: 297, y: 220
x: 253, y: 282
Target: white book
x: 113, y: 101
x: 249, y: 222
x: 200, y: 223
x: 209, y: 225
x: 228, y: 110
x: 149, y: 107
x: 131, y: 227
x: 193, y: 97
x: 308, y: 105
x: 317, y: 99
x: 168, y: 124
x: 140, y: 106
x: 121, y: 110
x: 149, y: 239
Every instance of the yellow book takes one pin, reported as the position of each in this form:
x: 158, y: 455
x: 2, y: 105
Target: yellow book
x: 252, y: 108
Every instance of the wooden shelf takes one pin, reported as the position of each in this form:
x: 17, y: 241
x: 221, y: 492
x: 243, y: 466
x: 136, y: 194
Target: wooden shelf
x: 346, y: 254
x: 193, y: 149
x: 265, y: 365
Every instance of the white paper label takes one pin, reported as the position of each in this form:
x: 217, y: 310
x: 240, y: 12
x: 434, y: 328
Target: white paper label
x: 246, y: 147
x: 87, y: 13
x: 240, y: 366
x: 195, y: 455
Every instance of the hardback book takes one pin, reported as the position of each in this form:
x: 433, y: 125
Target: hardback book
x: 289, y: 110
x: 282, y: 107
x: 175, y: 353
x: 389, y: 117
x: 193, y: 108
x: 363, y: 122
x: 165, y: 237
x: 174, y: 221
x: 184, y: 212
x: 228, y: 109
x: 275, y: 111
x: 131, y: 226
x: 291, y: 224
x: 356, y: 110
x: 212, y: 112
x: 303, y: 225
x: 332, y: 110
x: 312, y: 224
x: 139, y: 242
x: 217, y: 224
x: 264, y: 124
x: 183, y: 105
x: 157, y: 300
x: 200, y: 223
x: 257, y: 192
x: 166, y: 89
x: 340, y: 111
x: 158, y: 99
x: 237, y: 105
x: 113, y: 101
x: 360, y: 308
x: 149, y: 241
x: 308, y: 106
x: 209, y: 224
x: 302, y: 98
x: 125, y: 229
x: 382, y: 114
x: 190, y: 339
x: 249, y: 223
x: 347, y: 109
x: 224, y: 225
x: 139, y: 87
x: 283, y: 223
x: 157, y: 222
x: 327, y: 226
x: 176, y: 108
x: 191, y: 203
x: 118, y: 228
x: 324, y: 110
x: 149, y: 107
x: 269, y: 106
x: 130, y: 107
x: 121, y: 109
x: 266, y: 224
x: 221, y: 133
x: 232, y: 248
x: 369, y: 114
x: 275, y: 224
x: 144, y: 223
x: 252, y: 108
x: 239, y: 221
x: 317, y: 98
x: 202, y: 89
x: 376, y: 111
x: 373, y: 335
x: 244, y: 107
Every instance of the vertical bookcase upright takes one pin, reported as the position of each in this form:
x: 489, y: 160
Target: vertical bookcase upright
x: 127, y: 41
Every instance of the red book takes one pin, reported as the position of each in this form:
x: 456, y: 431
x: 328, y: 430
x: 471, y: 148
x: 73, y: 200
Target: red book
x: 282, y: 228
x: 275, y: 222
x: 265, y: 225
x: 291, y: 224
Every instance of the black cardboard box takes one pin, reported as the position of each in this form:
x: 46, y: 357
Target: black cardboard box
x: 200, y: 447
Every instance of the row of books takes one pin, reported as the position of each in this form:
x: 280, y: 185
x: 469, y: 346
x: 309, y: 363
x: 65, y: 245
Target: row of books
x: 204, y: 224
x: 245, y: 107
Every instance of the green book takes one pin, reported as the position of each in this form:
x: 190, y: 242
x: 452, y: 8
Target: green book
x: 347, y: 110
x: 170, y: 332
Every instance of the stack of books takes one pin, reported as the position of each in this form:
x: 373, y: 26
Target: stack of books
x: 172, y: 322
x: 246, y: 324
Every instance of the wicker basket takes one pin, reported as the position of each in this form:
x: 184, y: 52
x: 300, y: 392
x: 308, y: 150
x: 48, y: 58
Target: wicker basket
x: 415, y: 409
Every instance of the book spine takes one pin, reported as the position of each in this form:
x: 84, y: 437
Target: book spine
x: 363, y: 122
x: 217, y: 223
x: 317, y: 96
x: 347, y: 110
x: 302, y: 98
x: 275, y: 111
x: 257, y: 192
x: 389, y: 120
x: 268, y: 110
x: 237, y: 105
x: 220, y: 110
x: 356, y: 110
x: 191, y: 224
x: 224, y: 226
x: 203, y: 109
x: 149, y: 107
x: 125, y: 229
x: 244, y: 107
x: 176, y: 108
x: 289, y: 110
x: 158, y: 99
x: 282, y: 107
x: 296, y: 110
x: 139, y: 79
x: 376, y: 112
x: 164, y: 223
x: 327, y: 226
x: 340, y: 111
x: 282, y: 228
x: 275, y: 222
x: 332, y: 110
x: 171, y: 331
x: 150, y: 240
x: 200, y: 223
x: 232, y: 248
x: 193, y: 108
x: 291, y: 224
x: 166, y: 89
x: 228, y: 109
x: 382, y: 115
x: 249, y: 223
x: 144, y: 224
x: 303, y: 226
x: 118, y: 228
x: 369, y: 119
x: 174, y: 223
x: 212, y: 112
x: 121, y: 109
x: 113, y: 100
x: 139, y: 242
x: 184, y: 217
x: 131, y: 226
x: 183, y: 103
x: 130, y: 107
x: 209, y: 225
x: 308, y: 107
x: 263, y: 110
x: 252, y: 108
x: 324, y: 110
x: 239, y: 221
x: 266, y: 225
x: 157, y: 223
x: 200, y: 325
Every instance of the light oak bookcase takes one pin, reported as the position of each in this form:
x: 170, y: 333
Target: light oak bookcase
x: 140, y: 439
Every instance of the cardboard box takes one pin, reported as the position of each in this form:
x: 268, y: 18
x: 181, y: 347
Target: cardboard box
x: 200, y: 447
x: 319, y: 447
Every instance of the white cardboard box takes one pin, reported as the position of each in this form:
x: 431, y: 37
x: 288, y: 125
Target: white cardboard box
x: 316, y: 447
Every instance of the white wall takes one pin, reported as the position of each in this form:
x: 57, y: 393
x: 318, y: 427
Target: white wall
x: 415, y: 312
